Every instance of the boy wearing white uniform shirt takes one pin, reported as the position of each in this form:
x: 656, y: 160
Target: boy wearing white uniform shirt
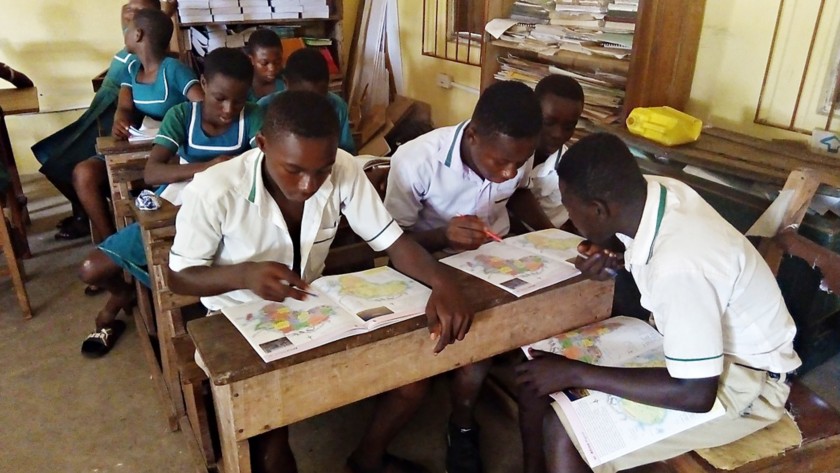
x: 725, y: 327
x: 260, y: 226
x: 451, y: 189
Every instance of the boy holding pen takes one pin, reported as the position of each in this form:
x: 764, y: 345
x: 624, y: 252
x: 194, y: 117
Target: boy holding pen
x: 451, y: 189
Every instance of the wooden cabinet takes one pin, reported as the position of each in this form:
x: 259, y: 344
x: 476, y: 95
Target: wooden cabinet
x: 659, y: 70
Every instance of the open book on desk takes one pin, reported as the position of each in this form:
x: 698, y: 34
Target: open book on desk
x: 609, y: 426
x: 343, y: 305
x: 147, y: 132
x: 522, y: 264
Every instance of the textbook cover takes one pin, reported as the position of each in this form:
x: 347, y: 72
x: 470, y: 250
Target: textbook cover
x: 343, y: 305
x: 609, y: 426
x: 522, y: 264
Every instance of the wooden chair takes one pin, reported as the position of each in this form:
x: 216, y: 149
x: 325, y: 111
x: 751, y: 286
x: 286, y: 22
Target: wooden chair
x: 14, y: 268
x: 14, y: 198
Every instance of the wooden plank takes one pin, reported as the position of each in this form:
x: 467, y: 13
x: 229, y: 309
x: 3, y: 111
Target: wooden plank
x: 108, y: 145
x: 236, y: 455
x: 16, y: 101
x: 301, y: 390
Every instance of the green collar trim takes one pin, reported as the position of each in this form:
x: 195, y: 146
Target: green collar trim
x: 448, y: 161
x: 663, y: 195
x: 253, y: 194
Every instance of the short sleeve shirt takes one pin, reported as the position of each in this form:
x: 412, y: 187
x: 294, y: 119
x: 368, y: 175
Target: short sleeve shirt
x: 710, y: 292
x: 169, y: 88
x: 181, y: 133
x: 545, y: 185
x: 118, y: 68
x: 429, y: 184
x: 228, y: 217
x: 279, y: 86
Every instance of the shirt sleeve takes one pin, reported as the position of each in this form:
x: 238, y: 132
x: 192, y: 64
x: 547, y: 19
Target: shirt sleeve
x: 407, y: 185
x: 198, y: 230
x: 182, y: 78
x: 265, y: 100
x: 688, y: 310
x: 173, y: 129
x: 365, y: 212
x: 128, y: 75
x: 117, y: 70
x: 253, y: 122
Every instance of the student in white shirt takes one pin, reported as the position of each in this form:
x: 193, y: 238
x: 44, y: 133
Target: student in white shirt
x: 561, y: 101
x: 727, y: 332
x: 260, y: 226
x: 453, y: 186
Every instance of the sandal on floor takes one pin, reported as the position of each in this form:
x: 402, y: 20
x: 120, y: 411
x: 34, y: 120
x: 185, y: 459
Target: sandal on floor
x: 390, y: 464
x: 100, y: 342
x: 78, y: 228
x: 93, y: 290
x: 65, y: 222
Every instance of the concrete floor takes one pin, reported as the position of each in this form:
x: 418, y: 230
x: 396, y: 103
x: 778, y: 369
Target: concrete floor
x: 61, y: 412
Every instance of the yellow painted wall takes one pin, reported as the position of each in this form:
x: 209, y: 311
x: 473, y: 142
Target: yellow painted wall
x: 61, y: 46
x: 734, y: 47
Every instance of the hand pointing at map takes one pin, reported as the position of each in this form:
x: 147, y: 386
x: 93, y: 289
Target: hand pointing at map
x: 274, y: 281
x: 466, y: 232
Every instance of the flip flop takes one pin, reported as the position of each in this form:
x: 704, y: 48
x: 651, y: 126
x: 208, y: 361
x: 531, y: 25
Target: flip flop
x: 93, y: 290
x: 390, y: 464
x: 72, y: 231
x: 100, y: 342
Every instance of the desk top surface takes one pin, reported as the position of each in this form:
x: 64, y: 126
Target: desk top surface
x: 162, y: 217
x: 110, y: 145
x: 15, y: 101
x: 230, y: 358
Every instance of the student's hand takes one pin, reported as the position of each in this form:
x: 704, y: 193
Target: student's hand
x: 547, y: 373
x: 120, y: 128
x: 273, y: 281
x: 448, y: 316
x: 597, y: 263
x: 466, y: 232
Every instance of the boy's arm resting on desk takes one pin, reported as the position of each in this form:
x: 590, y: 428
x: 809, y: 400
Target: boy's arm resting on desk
x: 524, y: 206
x: 449, y: 318
x: 549, y: 373
x: 122, y: 117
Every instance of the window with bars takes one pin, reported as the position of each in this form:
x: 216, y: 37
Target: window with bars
x: 454, y: 29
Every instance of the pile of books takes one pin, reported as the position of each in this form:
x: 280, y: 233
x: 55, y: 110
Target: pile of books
x: 224, y: 11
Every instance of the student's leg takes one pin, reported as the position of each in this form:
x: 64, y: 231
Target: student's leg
x: 75, y: 226
x: 100, y: 270
x: 271, y: 452
x: 462, y: 453
x: 392, y: 412
x: 561, y: 456
x: 532, y: 412
x: 89, y: 179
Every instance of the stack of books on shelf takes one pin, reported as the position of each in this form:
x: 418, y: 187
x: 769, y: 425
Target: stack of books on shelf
x: 223, y: 11
x: 579, y: 39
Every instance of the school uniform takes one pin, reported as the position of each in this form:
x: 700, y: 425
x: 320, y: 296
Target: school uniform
x: 429, y: 184
x: 228, y: 217
x: 181, y: 133
x: 169, y: 88
x: 345, y: 137
x: 545, y: 185
x: 279, y: 86
x: 60, y: 152
x: 720, y: 311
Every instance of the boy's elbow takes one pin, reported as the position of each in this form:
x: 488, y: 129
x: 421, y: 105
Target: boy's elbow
x: 700, y: 395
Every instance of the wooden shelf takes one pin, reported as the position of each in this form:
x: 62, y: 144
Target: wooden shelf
x: 570, y: 59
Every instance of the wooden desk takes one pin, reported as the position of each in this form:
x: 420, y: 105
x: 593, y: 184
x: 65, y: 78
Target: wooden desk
x: 126, y: 163
x: 12, y: 102
x: 252, y: 397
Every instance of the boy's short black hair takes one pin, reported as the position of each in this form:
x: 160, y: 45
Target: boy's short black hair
x: 561, y: 86
x: 508, y: 108
x: 306, y: 65
x: 228, y: 62
x: 157, y: 27
x: 263, y: 38
x: 300, y: 113
x: 601, y: 167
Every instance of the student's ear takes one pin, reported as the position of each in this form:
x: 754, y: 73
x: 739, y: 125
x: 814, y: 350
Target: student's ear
x: 260, y: 141
x: 139, y: 34
x: 470, y: 135
x: 203, y: 81
x: 602, y: 209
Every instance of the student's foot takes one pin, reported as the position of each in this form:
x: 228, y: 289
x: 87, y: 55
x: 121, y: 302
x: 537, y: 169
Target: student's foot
x: 93, y: 290
x: 101, y: 341
x: 390, y: 464
x: 75, y: 228
x: 64, y: 222
x: 462, y: 451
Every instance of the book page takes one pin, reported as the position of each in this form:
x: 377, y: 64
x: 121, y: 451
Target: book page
x: 606, y: 425
x: 552, y: 243
x: 147, y: 132
x: 511, y: 268
x: 377, y: 296
x: 280, y: 329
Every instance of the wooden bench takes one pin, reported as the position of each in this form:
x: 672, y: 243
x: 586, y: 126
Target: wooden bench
x: 14, y: 268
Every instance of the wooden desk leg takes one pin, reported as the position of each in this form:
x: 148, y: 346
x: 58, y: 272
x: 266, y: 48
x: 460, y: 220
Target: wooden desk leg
x: 14, y: 268
x: 236, y: 456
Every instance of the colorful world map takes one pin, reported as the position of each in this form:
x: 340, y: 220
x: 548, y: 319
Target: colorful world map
x: 279, y: 317
x: 582, y: 344
x: 363, y: 289
x: 640, y: 413
x: 558, y: 244
x: 509, y: 267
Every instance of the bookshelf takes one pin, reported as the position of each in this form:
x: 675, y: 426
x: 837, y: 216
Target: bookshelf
x: 326, y: 27
x: 658, y: 71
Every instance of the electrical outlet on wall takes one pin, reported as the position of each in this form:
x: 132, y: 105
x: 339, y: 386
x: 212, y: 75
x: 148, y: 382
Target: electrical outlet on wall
x: 444, y: 80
